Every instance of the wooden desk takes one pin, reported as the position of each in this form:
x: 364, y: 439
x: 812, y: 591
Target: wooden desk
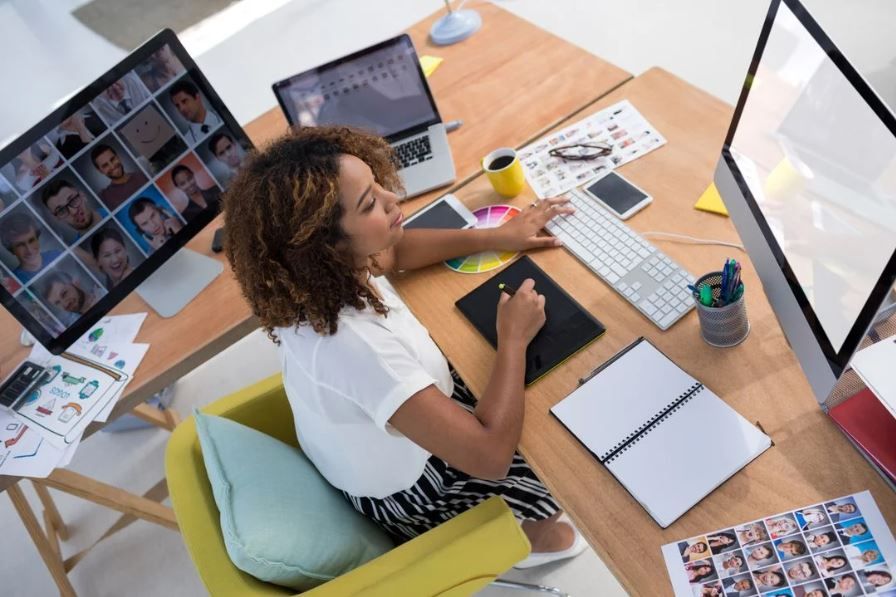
x: 507, y: 82
x: 811, y: 461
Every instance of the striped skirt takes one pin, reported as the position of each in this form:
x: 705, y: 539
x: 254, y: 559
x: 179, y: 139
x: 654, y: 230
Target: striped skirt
x: 442, y: 492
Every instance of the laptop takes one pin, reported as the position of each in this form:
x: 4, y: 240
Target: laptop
x: 381, y: 89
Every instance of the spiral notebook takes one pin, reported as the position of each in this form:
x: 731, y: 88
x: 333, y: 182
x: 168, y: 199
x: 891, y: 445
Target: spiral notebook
x: 665, y: 436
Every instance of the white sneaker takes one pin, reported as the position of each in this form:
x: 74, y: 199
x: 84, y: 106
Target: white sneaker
x: 540, y: 558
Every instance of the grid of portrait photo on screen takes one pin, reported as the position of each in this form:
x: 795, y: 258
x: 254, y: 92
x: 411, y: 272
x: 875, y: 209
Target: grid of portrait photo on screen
x: 824, y: 550
x: 91, y: 199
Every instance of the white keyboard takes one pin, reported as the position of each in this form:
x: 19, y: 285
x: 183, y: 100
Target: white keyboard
x: 648, y: 279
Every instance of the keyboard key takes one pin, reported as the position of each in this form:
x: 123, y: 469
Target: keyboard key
x: 618, y: 270
x: 647, y: 307
x: 668, y: 319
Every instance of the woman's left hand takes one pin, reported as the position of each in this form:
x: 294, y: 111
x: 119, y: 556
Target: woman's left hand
x: 521, y: 232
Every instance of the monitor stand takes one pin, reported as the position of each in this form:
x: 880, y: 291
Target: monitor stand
x: 178, y: 281
x: 887, y: 308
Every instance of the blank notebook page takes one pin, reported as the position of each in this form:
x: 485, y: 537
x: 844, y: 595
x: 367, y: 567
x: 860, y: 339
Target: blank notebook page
x: 668, y: 457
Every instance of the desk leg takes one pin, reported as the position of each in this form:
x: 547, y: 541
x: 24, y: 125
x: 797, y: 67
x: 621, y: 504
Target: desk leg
x: 156, y: 493
x: 166, y: 419
x: 111, y: 497
x: 172, y: 416
x: 50, y: 557
x: 51, y: 513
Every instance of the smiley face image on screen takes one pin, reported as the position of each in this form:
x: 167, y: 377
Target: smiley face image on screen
x: 148, y: 131
x: 152, y: 137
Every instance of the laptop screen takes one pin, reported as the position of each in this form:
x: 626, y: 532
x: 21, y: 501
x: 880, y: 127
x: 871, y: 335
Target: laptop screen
x: 380, y: 89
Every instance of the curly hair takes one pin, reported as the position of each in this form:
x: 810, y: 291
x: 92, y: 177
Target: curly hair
x: 281, y: 227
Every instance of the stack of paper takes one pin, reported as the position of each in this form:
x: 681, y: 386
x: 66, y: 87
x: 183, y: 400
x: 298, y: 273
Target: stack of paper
x: 83, y: 384
x: 621, y: 127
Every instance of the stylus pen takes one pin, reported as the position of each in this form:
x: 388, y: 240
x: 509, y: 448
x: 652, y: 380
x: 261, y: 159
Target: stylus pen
x: 508, y: 289
x: 453, y: 125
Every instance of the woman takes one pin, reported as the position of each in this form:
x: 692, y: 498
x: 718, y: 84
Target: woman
x: 311, y: 225
x: 843, y: 586
x: 751, y: 534
x: 770, y: 579
x: 831, y: 565
x: 780, y: 527
x: 877, y: 578
x: 822, y: 540
x: 699, y: 571
x: 34, y: 164
x: 111, y: 255
x: 694, y: 551
x: 721, y: 541
x: 813, y: 517
x: 791, y: 548
x: 154, y: 223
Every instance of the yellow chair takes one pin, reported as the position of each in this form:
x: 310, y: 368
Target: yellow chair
x: 457, y: 558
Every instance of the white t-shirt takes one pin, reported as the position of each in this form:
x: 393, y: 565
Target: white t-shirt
x: 344, y: 388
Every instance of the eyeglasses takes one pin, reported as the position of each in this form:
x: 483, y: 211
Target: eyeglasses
x: 73, y: 203
x: 581, y: 151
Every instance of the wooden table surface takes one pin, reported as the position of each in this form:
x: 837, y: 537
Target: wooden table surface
x: 811, y: 461
x: 507, y: 83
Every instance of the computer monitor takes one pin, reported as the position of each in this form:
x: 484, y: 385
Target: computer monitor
x: 808, y: 174
x: 105, y: 190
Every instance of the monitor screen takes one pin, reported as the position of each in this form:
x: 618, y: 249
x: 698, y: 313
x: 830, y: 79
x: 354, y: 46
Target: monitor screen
x: 99, y: 194
x: 380, y: 88
x: 815, y: 151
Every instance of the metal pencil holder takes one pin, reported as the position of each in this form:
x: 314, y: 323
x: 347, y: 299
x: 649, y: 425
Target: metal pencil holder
x: 721, y: 326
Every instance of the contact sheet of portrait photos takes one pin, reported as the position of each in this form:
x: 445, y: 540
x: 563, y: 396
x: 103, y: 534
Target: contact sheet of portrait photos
x: 620, y: 127
x: 839, y: 548
x: 87, y: 202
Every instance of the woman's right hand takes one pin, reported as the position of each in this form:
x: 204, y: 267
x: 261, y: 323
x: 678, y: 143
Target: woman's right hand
x: 520, y: 316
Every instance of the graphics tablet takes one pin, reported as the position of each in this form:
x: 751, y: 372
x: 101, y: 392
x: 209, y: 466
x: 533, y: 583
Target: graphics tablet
x: 568, y: 327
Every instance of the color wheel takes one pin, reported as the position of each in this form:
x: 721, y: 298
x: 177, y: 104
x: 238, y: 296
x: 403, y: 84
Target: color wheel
x: 490, y: 216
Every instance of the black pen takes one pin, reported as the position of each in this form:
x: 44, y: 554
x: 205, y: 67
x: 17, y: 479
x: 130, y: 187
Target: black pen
x: 506, y: 288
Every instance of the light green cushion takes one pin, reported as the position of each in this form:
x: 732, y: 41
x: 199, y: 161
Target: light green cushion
x: 282, y: 522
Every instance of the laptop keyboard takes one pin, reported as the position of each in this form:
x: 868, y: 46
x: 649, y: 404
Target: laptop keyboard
x: 414, y: 151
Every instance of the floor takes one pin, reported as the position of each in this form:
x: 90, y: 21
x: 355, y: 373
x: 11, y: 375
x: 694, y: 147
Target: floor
x: 242, y: 49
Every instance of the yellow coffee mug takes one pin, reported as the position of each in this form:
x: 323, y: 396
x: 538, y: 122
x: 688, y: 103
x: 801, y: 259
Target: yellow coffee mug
x: 505, y: 172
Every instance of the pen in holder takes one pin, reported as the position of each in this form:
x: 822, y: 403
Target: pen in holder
x: 722, y: 326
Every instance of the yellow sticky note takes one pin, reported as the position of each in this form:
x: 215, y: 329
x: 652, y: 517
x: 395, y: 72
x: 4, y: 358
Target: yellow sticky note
x: 711, y: 201
x: 429, y: 64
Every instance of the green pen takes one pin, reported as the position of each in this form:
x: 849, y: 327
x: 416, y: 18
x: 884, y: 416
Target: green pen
x: 506, y: 288
x: 706, y: 295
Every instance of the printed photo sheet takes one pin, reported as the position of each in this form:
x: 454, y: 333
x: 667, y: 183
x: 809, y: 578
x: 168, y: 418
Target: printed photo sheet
x: 838, y: 548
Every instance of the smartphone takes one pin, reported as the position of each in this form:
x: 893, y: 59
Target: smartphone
x: 445, y: 212
x: 619, y: 195
x: 218, y: 240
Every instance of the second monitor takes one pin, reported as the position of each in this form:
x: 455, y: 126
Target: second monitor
x: 104, y: 192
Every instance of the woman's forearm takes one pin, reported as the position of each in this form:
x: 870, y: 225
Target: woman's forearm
x: 423, y: 246
x: 501, y: 407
